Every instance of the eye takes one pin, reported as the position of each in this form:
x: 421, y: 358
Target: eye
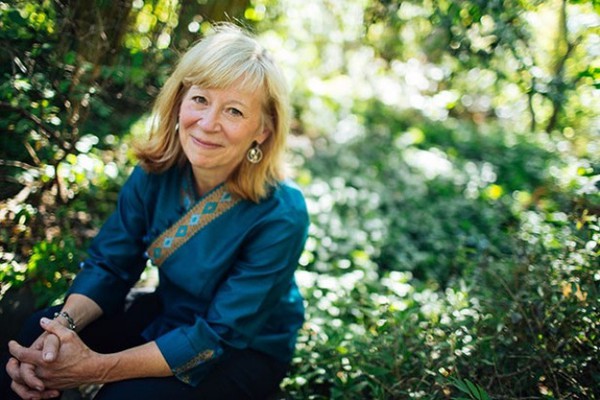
x: 199, y: 99
x: 235, y: 112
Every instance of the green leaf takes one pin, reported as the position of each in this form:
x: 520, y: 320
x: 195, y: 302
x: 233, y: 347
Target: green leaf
x: 474, y: 391
x: 460, y: 386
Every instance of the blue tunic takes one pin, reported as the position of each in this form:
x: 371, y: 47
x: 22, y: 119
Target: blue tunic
x: 231, y: 285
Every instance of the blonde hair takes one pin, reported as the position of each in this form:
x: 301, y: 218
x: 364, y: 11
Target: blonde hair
x: 223, y: 57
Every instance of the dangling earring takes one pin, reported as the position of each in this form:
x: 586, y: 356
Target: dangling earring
x: 254, y: 154
x: 177, y: 127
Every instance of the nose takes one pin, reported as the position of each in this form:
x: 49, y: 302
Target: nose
x: 208, y: 120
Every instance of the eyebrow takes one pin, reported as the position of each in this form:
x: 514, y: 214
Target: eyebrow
x: 228, y: 102
x: 237, y: 102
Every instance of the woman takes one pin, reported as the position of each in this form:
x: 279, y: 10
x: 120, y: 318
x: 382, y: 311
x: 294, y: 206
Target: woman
x: 209, y: 206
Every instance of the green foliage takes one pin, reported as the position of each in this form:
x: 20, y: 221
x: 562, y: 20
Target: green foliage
x: 550, y: 309
x: 474, y: 391
x: 51, y: 268
x: 487, y: 47
x: 48, y: 150
x: 503, y: 283
x: 404, y: 198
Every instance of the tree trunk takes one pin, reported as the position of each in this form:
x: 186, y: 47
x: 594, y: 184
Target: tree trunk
x: 562, y: 51
x: 211, y: 11
x: 93, y: 29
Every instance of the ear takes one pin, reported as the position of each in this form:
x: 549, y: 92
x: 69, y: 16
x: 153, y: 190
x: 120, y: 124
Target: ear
x: 261, y: 137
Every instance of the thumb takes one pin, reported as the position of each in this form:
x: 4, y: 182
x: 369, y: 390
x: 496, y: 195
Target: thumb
x: 56, y: 328
x: 50, y: 347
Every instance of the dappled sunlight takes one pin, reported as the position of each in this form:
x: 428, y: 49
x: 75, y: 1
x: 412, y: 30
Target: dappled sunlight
x: 431, y: 163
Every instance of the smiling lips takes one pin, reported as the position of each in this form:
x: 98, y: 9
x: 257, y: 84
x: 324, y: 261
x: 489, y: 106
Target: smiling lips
x: 205, y: 144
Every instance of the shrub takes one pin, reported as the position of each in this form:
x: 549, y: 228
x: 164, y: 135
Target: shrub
x: 427, y: 273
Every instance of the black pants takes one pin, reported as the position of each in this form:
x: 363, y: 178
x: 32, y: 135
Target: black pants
x: 245, y: 374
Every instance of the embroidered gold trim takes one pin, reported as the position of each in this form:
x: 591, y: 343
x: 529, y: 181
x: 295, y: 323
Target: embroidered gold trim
x: 199, y: 358
x: 185, y: 378
x: 208, y: 209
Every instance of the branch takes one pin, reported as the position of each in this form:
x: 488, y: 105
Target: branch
x: 17, y: 164
x: 32, y: 153
x: 48, y: 132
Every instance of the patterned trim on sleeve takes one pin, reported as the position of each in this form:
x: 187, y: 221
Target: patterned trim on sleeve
x: 198, y: 359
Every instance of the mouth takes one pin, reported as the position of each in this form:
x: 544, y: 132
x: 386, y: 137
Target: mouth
x: 204, y: 143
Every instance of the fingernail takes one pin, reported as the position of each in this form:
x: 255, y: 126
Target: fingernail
x: 48, y: 356
x: 44, y: 321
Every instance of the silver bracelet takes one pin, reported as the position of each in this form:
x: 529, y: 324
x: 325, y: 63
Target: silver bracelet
x: 71, y: 323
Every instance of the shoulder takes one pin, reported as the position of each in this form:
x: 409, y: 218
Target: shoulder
x: 137, y: 183
x: 140, y: 174
x: 281, y: 218
x: 286, y: 202
x: 145, y: 185
x: 290, y: 194
x: 140, y: 177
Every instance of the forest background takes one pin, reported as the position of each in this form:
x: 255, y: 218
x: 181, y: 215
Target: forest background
x: 448, y: 151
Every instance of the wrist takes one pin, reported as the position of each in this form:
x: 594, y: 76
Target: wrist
x: 64, y: 316
x: 107, y: 368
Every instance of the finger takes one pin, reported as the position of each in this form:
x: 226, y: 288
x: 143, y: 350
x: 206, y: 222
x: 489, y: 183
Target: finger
x: 25, y: 392
x: 30, y: 378
x: 50, y: 348
x: 50, y: 394
x: 13, y: 370
x: 52, y: 326
x: 24, y: 354
x: 39, y: 342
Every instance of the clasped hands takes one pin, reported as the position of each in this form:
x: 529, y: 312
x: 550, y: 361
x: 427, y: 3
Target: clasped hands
x: 57, y: 360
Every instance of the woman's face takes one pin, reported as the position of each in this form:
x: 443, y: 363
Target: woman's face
x: 218, y: 126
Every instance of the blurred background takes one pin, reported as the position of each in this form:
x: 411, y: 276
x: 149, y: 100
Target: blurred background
x: 449, y: 152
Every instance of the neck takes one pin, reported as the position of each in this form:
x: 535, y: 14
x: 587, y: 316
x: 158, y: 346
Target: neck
x: 205, y: 181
